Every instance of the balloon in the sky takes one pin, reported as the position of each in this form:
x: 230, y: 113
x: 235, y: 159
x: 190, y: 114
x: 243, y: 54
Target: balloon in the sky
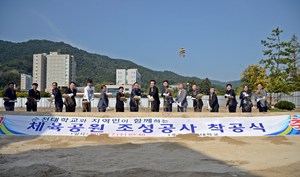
x: 182, y: 52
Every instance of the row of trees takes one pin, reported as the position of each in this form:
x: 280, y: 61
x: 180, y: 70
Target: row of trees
x: 204, y: 87
x: 25, y: 94
x: 279, y: 71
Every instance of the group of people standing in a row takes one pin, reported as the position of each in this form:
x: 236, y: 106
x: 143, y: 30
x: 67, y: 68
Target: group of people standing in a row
x: 135, y: 96
x: 260, y: 96
x: 213, y: 104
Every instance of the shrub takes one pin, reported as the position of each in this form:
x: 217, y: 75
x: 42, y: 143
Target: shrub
x: 21, y: 94
x: 45, y: 94
x: 285, y: 105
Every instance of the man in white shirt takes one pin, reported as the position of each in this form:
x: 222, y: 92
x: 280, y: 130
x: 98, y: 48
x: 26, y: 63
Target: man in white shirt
x: 88, y: 96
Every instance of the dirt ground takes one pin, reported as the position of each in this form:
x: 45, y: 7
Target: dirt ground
x: 181, y: 156
x: 185, y: 155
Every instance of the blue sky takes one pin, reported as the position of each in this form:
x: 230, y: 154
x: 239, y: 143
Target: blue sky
x: 221, y: 37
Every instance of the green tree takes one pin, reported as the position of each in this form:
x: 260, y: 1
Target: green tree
x: 238, y: 90
x: 220, y: 91
x: 188, y: 85
x: 44, y: 94
x: 204, y: 86
x: 98, y: 86
x: 277, y: 63
x: 253, y: 75
x: 294, y: 66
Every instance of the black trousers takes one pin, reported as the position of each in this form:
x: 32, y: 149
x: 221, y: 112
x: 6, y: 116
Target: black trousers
x: 262, y: 109
x: 70, y: 108
x: 215, y: 109
x: 58, y: 108
x: 31, y: 107
x: 134, y: 109
x: 232, y: 108
x: 198, y: 105
x: 245, y: 109
x: 101, y: 110
x: 154, y: 107
x: 167, y: 106
x: 198, y: 109
x: 118, y: 109
x: 181, y: 109
x: 10, y: 108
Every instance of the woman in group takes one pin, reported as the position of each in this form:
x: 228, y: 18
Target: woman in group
x: 261, y: 98
x: 153, y: 96
x: 213, y: 100
x: 231, y: 101
x: 167, y: 94
x: 245, y: 97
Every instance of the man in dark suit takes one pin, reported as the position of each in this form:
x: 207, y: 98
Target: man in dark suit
x: 197, y: 102
x: 119, y: 101
x: 10, y: 97
x: 213, y: 101
x: 134, y: 98
x: 32, y: 99
x: 56, y: 94
x: 103, y: 101
x: 231, y: 100
x: 153, y: 96
x: 70, y: 101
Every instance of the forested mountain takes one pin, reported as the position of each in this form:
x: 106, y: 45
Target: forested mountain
x: 16, y: 58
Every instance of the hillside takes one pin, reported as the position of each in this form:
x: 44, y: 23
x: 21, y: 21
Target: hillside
x: 16, y: 58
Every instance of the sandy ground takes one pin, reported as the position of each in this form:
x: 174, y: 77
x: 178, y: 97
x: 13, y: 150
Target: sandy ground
x: 181, y: 156
x: 186, y: 155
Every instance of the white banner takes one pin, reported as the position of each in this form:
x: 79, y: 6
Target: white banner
x: 150, y: 127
